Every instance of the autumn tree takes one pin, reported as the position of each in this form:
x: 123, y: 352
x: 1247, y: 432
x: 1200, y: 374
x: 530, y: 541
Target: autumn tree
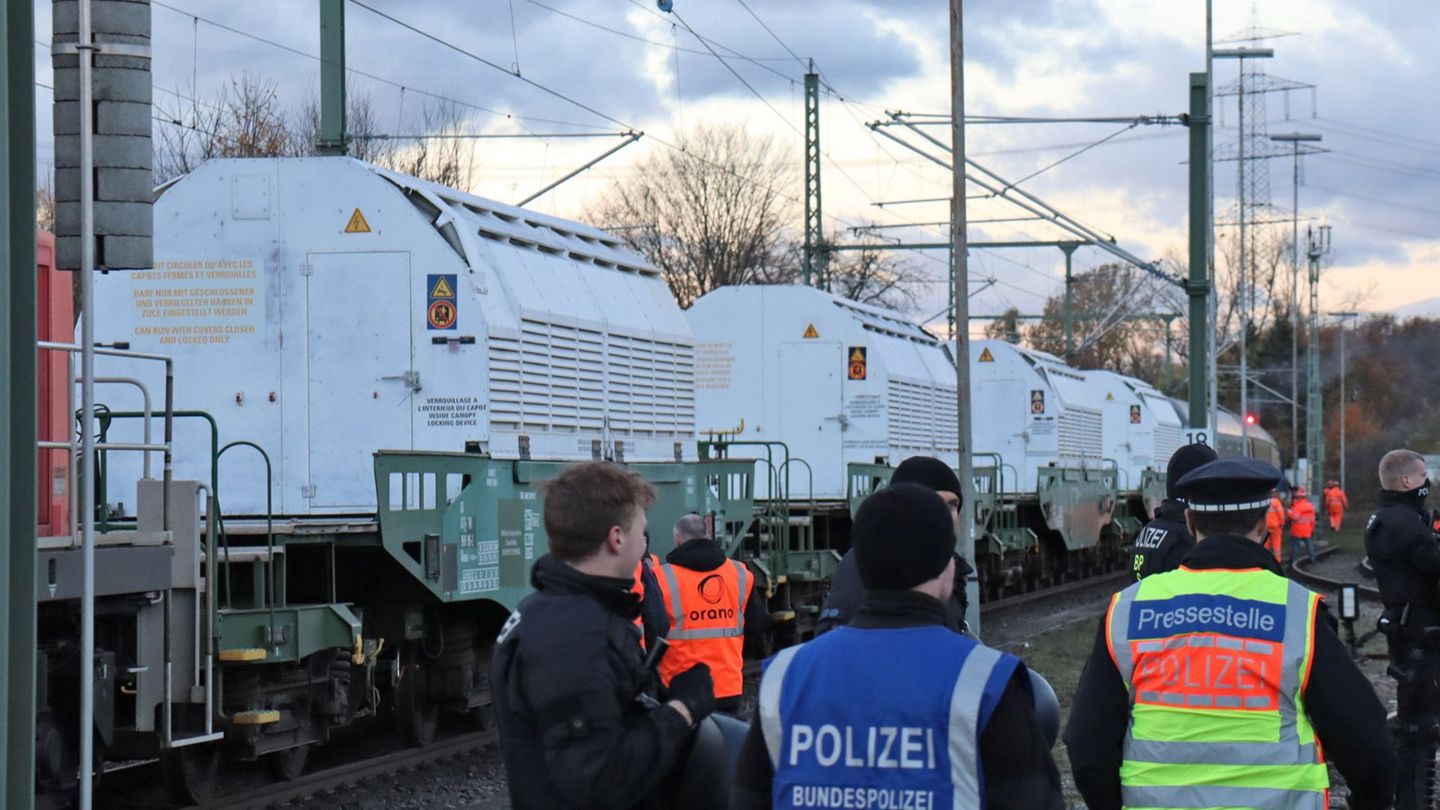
x: 711, y: 213
x: 1112, y: 327
x: 1006, y: 327
x: 45, y: 205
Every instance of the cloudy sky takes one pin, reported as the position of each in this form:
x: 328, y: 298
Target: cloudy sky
x: 1372, y: 61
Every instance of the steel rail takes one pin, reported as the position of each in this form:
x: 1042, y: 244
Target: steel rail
x: 352, y: 774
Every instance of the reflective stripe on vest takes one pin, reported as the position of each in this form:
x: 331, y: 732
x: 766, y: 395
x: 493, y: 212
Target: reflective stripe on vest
x: 881, y: 748
x: 678, y: 630
x: 1211, y: 723
x: 707, y: 626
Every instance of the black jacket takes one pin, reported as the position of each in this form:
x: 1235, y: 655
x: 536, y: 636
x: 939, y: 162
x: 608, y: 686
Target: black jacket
x: 847, y: 592
x: 1164, y: 541
x: 704, y: 554
x: 1348, y: 718
x: 1405, y: 556
x: 566, y: 672
x: 1019, y: 771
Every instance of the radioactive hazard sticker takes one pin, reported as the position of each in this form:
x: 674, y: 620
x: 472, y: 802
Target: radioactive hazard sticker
x: 855, y: 365
x: 441, y: 304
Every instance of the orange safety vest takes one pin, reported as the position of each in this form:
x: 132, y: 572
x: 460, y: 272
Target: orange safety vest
x: 1275, y: 518
x: 639, y: 590
x: 707, y: 623
x: 1335, y: 500
x: 1302, y: 518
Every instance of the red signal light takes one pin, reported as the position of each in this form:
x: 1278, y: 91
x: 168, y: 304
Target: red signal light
x: 1250, y: 419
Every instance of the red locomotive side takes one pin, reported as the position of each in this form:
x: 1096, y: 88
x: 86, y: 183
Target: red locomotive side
x: 55, y: 322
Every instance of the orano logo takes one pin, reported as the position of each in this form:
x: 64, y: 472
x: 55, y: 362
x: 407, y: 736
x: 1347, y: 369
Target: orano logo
x: 712, y: 589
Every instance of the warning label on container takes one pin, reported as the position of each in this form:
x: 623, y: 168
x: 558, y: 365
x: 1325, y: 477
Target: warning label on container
x: 199, y: 302
x: 1037, y: 402
x: 713, y: 363
x: 442, y: 307
x: 855, y: 368
x: 451, y: 411
x: 357, y: 223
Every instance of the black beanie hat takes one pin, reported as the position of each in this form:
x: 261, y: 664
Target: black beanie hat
x: 931, y: 473
x: 903, y: 536
x: 1187, y: 458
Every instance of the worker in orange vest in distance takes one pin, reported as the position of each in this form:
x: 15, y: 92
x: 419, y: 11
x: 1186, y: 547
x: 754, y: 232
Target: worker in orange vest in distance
x: 1335, y: 504
x: 713, y: 609
x: 1275, y: 526
x: 1302, y: 524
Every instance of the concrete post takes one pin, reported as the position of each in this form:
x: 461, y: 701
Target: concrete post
x: 124, y: 174
x: 959, y: 236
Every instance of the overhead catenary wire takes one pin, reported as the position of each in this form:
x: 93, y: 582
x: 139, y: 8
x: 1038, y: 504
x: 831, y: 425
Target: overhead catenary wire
x: 772, y: 33
x: 298, y: 52
x: 588, y: 108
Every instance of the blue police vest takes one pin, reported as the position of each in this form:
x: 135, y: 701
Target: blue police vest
x: 881, y: 718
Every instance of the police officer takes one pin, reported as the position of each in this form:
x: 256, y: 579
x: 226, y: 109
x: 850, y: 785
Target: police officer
x: 846, y: 590
x: 1194, y: 690
x: 1406, y: 559
x: 1165, y: 541
x: 895, y: 709
x: 715, y: 612
x: 568, y: 673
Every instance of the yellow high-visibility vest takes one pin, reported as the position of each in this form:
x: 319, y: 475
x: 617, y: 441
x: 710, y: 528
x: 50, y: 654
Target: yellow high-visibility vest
x: 1217, y: 662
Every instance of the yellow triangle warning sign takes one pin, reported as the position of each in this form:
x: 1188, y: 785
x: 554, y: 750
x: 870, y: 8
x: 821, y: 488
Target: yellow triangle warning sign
x: 357, y: 223
x: 857, y: 354
x: 442, y: 289
x: 986, y: 356
x: 810, y: 333
x: 1110, y: 397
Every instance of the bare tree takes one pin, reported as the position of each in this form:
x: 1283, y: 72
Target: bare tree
x: 361, y: 119
x: 443, y: 160
x: 244, y: 119
x: 710, y: 214
x: 876, y: 276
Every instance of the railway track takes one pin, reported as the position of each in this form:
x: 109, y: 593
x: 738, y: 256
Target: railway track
x: 1302, y: 574
x: 1116, y: 578
x: 353, y: 774
x: 311, y: 788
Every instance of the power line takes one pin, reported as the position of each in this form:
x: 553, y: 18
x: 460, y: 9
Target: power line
x: 1377, y: 164
x: 735, y: 73
x: 626, y: 34
x: 1378, y: 132
x: 371, y: 76
x: 774, y: 35
x: 1377, y: 200
x: 575, y: 102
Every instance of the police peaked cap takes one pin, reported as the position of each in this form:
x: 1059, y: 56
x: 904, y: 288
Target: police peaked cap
x: 1229, y: 485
